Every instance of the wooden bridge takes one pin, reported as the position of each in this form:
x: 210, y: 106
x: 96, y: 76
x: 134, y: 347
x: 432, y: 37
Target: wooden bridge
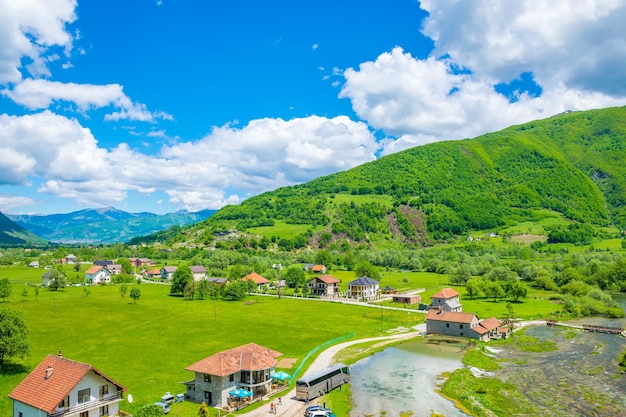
x: 590, y: 327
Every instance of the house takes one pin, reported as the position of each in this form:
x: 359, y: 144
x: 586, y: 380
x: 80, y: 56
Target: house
x: 141, y: 262
x: 62, y: 387
x: 198, y: 272
x: 307, y: 267
x: 364, y: 287
x: 103, y: 262
x: 248, y: 367
x: 154, y: 273
x: 318, y: 269
x: 98, y: 274
x: 259, y: 280
x: 115, y: 269
x: 45, y: 279
x: 218, y: 281
x: 448, y: 299
x: 324, y: 285
x: 406, y: 298
x: 34, y: 264
x: 388, y: 290
x: 71, y: 259
x: 450, y: 323
x: 167, y: 272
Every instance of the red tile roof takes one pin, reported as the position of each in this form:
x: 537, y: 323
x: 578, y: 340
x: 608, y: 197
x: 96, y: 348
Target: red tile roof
x: 490, y: 323
x: 446, y: 293
x: 250, y: 357
x: 94, y: 269
x: 46, y: 393
x: 328, y: 279
x: 318, y: 268
x: 256, y: 278
x: 451, y: 316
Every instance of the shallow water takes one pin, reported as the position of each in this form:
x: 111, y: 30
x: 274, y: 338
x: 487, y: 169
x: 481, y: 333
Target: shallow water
x: 405, y: 377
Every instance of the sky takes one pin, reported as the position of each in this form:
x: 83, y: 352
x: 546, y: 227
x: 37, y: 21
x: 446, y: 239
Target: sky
x: 165, y: 105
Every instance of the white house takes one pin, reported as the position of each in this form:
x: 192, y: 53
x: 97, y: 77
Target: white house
x: 364, y: 287
x: 98, y: 274
x: 62, y: 387
x: 198, y: 272
x: 167, y: 272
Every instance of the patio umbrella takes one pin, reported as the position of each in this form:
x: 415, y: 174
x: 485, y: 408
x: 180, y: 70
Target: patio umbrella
x: 280, y: 375
x: 240, y: 392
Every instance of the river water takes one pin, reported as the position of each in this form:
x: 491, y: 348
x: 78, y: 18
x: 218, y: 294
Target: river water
x: 404, y: 377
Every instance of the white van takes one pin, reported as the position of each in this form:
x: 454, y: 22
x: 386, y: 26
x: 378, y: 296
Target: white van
x: 163, y: 406
x: 167, y: 398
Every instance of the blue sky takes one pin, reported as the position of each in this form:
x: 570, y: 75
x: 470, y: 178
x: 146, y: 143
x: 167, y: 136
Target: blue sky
x: 165, y: 105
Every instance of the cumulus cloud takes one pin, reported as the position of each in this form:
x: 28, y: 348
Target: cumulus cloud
x: 8, y: 203
x: 40, y: 94
x: 570, y: 51
x: 32, y: 29
x: 261, y: 156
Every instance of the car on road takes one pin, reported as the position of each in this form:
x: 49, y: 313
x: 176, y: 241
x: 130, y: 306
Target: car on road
x: 317, y: 411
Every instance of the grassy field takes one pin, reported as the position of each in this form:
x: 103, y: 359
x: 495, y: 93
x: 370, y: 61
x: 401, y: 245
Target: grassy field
x: 282, y: 229
x: 146, y: 346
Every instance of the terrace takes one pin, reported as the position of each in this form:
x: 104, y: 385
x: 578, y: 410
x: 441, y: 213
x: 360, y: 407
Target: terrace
x: 89, y: 405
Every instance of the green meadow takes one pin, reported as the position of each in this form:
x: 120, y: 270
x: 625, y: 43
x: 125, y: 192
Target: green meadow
x: 146, y: 346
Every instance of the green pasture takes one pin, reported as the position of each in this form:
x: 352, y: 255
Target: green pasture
x: 282, y: 229
x: 146, y: 346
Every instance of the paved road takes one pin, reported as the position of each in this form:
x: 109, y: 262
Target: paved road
x: 291, y: 407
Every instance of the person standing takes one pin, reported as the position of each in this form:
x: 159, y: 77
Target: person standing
x: 272, y: 409
x: 280, y: 401
x: 306, y: 400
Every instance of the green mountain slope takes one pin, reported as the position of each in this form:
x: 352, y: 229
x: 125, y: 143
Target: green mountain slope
x: 571, y: 164
x: 14, y: 234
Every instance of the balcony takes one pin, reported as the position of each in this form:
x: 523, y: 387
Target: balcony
x: 89, y: 405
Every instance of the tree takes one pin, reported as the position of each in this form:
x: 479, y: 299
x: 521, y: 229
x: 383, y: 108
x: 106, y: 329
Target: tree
x: 516, y: 290
x: 203, y: 411
x: 24, y: 293
x: 135, y: 294
x: 190, y: 289
x: 202, y: 289
x: 127, y: 267
x: 150, y: 411
x: 236, y: 290
x: 366, y: 269
x: 13, y: 335
x: 5, y: 288
x: 123, y: 290
x: 56, y: 280
x: 461, y: 274
x: 182, y: 276
x: 295, y: 277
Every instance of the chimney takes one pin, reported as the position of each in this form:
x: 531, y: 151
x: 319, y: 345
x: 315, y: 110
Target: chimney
x: 49, y: 372
x: 60, y: 354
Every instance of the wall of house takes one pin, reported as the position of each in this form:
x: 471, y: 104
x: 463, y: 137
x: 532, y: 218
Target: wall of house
x: 219, y: 387
x: 26, y: 410
x: 451, y: 329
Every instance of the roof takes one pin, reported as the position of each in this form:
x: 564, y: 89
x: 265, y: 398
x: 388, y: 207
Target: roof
x: 94, y: 269
x: 318, y: 268
x: 46, y: 393
x: 446, y: 293
x: 154, y: 271
x: 328, y: 279
x: 250, y: 357
x: 197, y: 269
x: 451, y: 316
x: 169, y: 269
x: 363, y: 281
x: 256, y: 278
x: 217, y: 280
x: 491, y: 323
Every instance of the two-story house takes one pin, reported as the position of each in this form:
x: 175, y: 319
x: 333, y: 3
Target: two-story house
x: 199, y: 272
x: 249, y: 367
x: 363, y: 288
x: 98, y: 274
x: 60, y: 387
x: 448, y: 299
x: 324, y: 285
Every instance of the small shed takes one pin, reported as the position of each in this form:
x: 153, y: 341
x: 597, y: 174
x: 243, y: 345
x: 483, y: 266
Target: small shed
x: 407, y: 298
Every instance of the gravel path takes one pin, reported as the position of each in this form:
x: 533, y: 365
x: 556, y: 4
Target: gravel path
x: 291, y: 407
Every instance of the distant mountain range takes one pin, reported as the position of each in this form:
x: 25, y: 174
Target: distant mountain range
x: 102, y: 225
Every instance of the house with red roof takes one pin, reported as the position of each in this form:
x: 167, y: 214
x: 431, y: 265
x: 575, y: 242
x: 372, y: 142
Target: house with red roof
x: 451, y: 323
x: 258, y: 280
x: 448, y: 299
x: 318, y: 269
x: 324, y: 285
x: 98, y: 274
x: 248, y: 367
x: 59, y: 387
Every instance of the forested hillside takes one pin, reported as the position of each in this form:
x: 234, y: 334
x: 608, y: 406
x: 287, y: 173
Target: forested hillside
x: 570, y: 164
x: 14, y: 234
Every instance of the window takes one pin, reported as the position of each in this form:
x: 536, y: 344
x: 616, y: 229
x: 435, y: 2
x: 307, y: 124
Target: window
x: 460, y: 326
x: 84, y: 395
x: 84, y: 414
x: 207, y: 378
x: 104, y: 390
x: 20, y: 414
x: 447, y: 324
x: 65, y: 403
x: 231, y: 378
x: 104, y: 410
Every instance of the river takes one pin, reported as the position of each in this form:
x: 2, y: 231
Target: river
x: 405, y: 377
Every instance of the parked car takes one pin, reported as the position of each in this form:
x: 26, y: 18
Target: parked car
x: 321, y: 413
x: 163, y: 406
x: 314, y: 408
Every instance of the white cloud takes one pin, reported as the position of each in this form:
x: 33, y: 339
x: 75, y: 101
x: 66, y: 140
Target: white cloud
x: 40, y: 94
x: 30, y: 28
x: 264, y: 155
x: 572, y: 53
x: 8, y: 203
